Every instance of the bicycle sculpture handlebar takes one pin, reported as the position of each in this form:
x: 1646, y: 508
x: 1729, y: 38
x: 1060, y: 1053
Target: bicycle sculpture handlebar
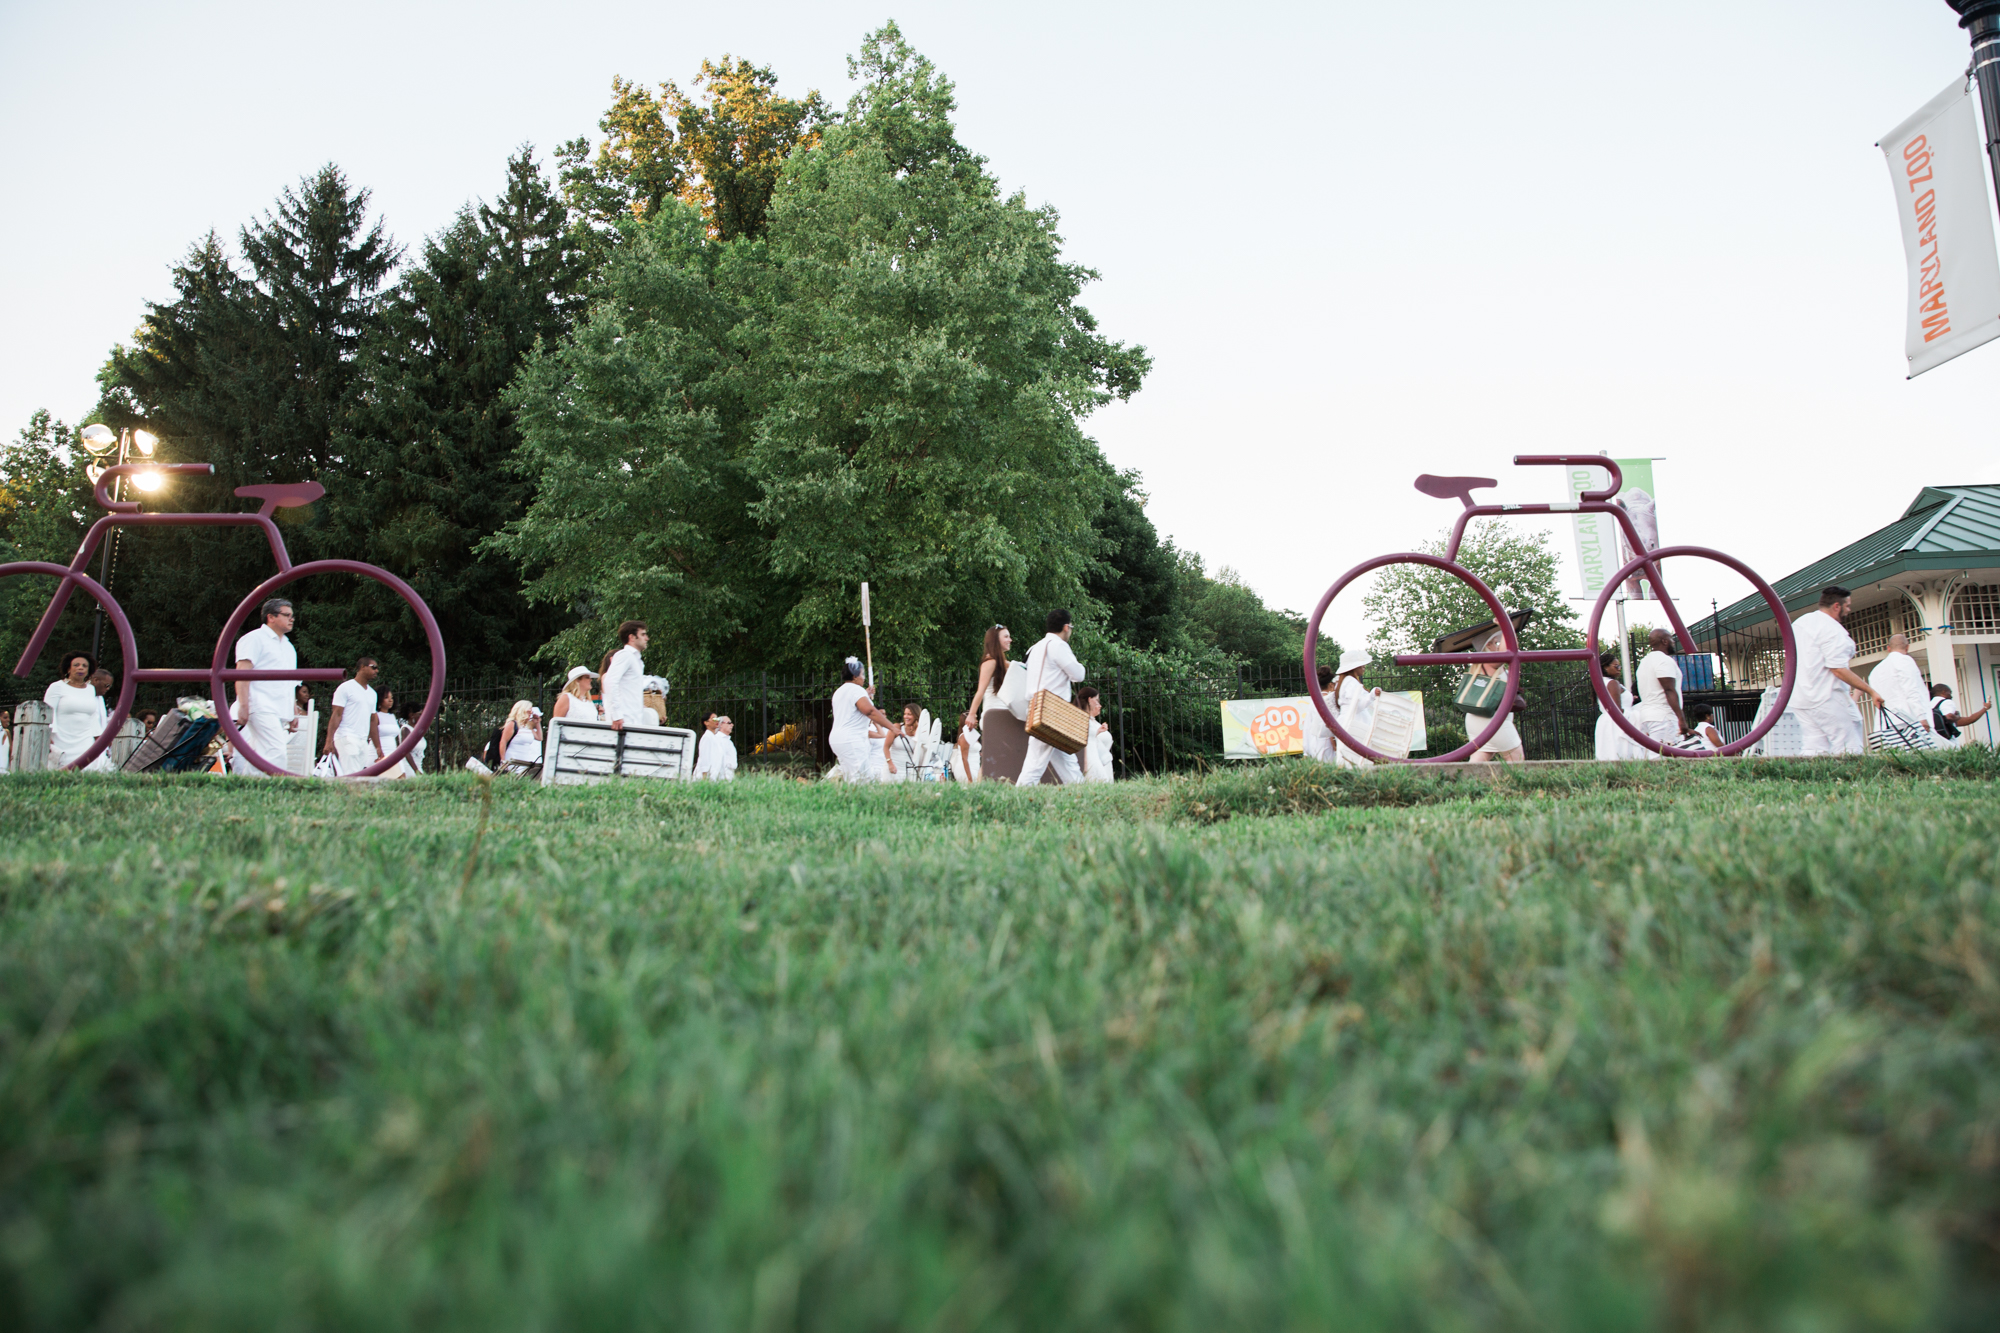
x: 221, y: 671
x: 1646, y: 561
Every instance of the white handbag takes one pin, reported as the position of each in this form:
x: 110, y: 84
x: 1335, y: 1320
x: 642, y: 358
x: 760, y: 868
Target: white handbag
x: 1014, y: 691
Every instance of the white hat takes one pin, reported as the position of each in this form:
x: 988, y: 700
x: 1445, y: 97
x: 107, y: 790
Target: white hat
x: 1353, y: 660
x: 577, y: 673
x: 536, y: 711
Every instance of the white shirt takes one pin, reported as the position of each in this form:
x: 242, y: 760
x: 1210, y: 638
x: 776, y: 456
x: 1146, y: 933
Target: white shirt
x: 523, y: 747
x: 722, y: 760
x: 1901, y: 682
x: 624, y: 689
x: 704, y: 756
x: 1060, y: 672
x: 850, y: 724
x: 1823, y: 644
x: 356, y: 703
x: 267, y: 650
x: 1099, y: 751
x: 1653, y: 669
x: 79, y: 718
x: 1319, y: 737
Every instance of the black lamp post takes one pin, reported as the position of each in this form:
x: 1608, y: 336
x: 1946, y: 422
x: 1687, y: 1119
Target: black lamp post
x: 1981, y: 21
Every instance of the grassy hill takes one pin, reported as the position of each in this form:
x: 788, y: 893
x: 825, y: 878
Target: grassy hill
x: 1669, y: 1046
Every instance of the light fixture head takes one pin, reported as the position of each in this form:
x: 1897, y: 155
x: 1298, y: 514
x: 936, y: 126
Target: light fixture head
x: 99, y: 439
x: 93, y: 471
x: 148, y: 480
x: 145, y: 439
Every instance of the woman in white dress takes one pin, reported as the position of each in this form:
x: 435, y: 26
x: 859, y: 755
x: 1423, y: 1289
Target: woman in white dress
x: 1612, y: 742
x: 521, y: 739
x: 1506, y: 742
x: 79, y: 715
x: 1354, y: 705
x: 416, y: 760
x: 1097, y: 762
x: 853, y: 714
x: 992, y: 671
x: 389, y: 732
x: 6, y: 740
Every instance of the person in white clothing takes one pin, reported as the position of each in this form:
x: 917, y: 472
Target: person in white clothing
x: 722, y: 757
x: 1945, y: 714
x: 6, y: 740
x: 1701, y: 732
x: 625, y: 680
x: 264, y: 708
x: 350, y: 726
x: 1829, y: 723
x: 1097, y: 763
x: 79, y: 715
x: 521, y: 739
x: 411, y: 712
x: 992, y: 672
x: 1905, y: 692
x: 1504, y: 744
x: 1052, y: 667
x: 1658, y: 712
x: 1612, y: 742
x: 704, y: 749
x: 1354, y: 705
x: 853, y: 713
x: 1319, y: 736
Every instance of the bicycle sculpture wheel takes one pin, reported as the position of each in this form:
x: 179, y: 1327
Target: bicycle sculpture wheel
x: 221, y: 671
x: 1513, y: 655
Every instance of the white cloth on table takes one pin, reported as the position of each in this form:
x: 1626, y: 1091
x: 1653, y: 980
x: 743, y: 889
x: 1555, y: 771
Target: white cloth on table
x: 1900, y: 681
x: 848, y: 736
x: 625, y: 690
x: 1052, y: 667
x: 78, y: 720
x: 267, y: 650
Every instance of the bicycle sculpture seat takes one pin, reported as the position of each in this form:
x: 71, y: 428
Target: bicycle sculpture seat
x: 1646, y: 561
x: 221, y: 671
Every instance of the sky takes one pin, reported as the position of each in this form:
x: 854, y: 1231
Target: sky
x: 1360, y: 240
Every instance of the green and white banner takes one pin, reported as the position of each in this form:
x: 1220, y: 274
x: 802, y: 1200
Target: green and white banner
x: 1600, y: 542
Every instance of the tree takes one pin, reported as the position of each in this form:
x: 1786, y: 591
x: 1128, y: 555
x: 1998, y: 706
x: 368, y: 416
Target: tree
x: 254, y: 373
x: 736, y: 143
x: 1136, y: 579
x: 637, y: 168
x: 430, y: 441
x: 1411, y: 606
x: 45, y: 509
x: 886, y: 386
x: 1226, y: 614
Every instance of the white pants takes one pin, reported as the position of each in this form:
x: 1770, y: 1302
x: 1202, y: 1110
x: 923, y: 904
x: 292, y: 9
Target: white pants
x: 271, y: 737
x: 1041, y: 756
x: 1833, y: 727
x: 1506, y: 739
x: 1657, y: 721
x: 858, y: 760
x: 352, y: 753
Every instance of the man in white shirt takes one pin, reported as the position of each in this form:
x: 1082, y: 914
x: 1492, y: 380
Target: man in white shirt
x: 1658, y: 677
x: 347, y: 734
x: 625, y: 681
x: 1904, y: 690
x: 1053, y: 667
x: 264, y: 707
x: 1829, y: 723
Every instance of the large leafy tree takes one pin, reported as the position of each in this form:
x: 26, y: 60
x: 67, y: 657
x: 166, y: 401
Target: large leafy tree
x: 430, y: 442
x: 45, y: 508
x: 886, y: 386
x: 736, y: 141
x: 1136, y: 579
x: 256, y: 371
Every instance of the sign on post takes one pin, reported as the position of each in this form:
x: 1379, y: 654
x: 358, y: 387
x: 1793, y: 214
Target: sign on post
x: 1600, y: 543
x: 1940, y: 187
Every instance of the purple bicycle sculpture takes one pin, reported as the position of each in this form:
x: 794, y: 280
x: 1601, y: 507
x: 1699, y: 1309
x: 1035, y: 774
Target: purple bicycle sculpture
x: 1647, y: 561
x: 222, y: 670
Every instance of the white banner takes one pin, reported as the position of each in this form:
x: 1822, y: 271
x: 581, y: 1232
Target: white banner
x: 1937, y: 172
x: 1600, y: 543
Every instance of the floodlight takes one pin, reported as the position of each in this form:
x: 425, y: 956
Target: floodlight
x: 145, y: 439
x: 99, y: 439
x: 147, y: 480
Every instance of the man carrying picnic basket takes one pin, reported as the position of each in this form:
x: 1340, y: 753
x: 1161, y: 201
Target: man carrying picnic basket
x: 1052, y: 667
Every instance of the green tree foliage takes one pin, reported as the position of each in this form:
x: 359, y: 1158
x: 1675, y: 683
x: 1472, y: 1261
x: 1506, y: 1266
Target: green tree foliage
x: 1410, y: 606
x: 737, y: 140
x: 885, y: 387
x: 1224, y: 613
x: 45, y: 508
x: 1136, y: 579
x: 635, y: 171
x: 256, y: 373
x: 429, y: 441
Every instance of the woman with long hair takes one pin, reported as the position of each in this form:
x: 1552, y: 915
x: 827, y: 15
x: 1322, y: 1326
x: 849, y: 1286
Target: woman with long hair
x: 521, y: 740
x: 992, y: 671
x: 576, y: 701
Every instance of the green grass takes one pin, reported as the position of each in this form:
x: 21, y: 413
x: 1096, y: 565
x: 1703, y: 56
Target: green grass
x: 1668, y: 1046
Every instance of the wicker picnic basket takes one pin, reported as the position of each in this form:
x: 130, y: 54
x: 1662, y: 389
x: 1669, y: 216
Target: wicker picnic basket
x: 1054, y: 720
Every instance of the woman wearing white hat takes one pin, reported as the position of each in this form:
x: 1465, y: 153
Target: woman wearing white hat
x: 1506, y: 742
x: 575, y: 701
x: 1354, y: 704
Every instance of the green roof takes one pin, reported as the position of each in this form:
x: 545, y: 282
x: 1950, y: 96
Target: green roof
x: 1945, y: 527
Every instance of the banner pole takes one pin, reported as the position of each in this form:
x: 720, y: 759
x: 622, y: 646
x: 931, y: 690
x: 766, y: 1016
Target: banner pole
x: 1625, y: 648
x: 867, y: 638
x: 1981, y: 20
